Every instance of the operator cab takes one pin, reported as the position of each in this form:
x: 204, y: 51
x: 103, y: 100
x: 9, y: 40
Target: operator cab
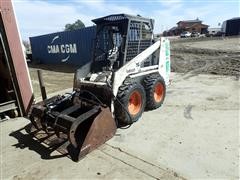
x: 120, y: 38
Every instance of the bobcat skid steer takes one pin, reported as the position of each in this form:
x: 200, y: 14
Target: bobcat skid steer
x: 128, y: 74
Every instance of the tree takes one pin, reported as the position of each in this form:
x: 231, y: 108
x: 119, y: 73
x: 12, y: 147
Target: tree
x: 27, y: 45
x: 76, y: 25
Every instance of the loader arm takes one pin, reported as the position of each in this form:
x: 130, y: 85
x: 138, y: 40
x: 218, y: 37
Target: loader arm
x: 133, y: 68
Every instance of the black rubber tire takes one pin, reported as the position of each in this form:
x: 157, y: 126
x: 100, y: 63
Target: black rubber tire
x: 149, y: 83
x: 122, y: 114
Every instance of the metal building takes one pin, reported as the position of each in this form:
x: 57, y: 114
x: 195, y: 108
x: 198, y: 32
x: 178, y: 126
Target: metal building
x: 68, y: 47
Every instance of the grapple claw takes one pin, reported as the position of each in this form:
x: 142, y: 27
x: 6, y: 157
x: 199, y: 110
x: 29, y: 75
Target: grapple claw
x: 79, y: 128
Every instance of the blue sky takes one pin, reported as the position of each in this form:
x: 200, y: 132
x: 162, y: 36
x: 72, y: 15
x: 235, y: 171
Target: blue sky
x: 36, y: 17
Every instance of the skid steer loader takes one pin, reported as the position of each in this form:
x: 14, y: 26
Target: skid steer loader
x: 128, y: 74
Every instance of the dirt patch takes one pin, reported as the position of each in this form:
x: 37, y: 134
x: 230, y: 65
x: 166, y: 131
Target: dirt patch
x: 220, y: 57
x: 56, y: 77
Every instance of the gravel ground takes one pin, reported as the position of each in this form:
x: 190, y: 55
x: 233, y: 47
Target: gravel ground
x: 219, y: 56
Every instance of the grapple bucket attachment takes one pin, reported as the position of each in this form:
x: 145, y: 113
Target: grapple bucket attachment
x: 74, y: 128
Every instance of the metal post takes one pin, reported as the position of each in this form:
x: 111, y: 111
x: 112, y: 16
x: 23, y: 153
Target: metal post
x: 42, y: 86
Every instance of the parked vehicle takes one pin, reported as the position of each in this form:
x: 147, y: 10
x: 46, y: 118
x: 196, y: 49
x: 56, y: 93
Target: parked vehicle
x: 213, y: 32
x: 195, y: 34
x: 185, y: 34
x: 218, y: 34
x: 202, y: 35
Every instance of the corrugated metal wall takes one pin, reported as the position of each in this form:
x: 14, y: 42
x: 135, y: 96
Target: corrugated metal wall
x: 232, y: 27
x: 69, y: 47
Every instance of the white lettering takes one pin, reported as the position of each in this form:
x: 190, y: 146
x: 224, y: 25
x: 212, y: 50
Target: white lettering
x: 73, y: 48
x: 57, y: 49
x: 63, y: 48
x: 49, y: 49
x: 67, y: 48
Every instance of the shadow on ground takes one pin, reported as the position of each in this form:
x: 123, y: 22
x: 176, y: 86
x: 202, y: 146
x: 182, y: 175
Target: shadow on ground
x: 26, y: 140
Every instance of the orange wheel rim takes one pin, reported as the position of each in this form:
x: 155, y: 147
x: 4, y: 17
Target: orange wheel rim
x: 135, y: 103
x: 158, y: 92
